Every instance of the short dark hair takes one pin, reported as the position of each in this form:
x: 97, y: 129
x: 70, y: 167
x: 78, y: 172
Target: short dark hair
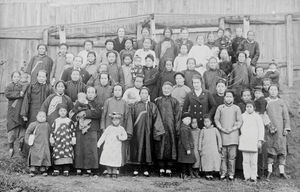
x: 12, y: 74
x: 109, y: 52
x: 42, y: 44
x: 250, y: 102
x: 229, y: 91
x: 150, y: 57
x: 88, y: 41
x: 109, y: 40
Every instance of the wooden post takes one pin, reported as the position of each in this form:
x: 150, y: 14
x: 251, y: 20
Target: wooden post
x: 222, y: 23
x: 289, y: 49
x: 152, y: 26
x: 45, y: 36
x: 246, y: 25
x: 62, y: 34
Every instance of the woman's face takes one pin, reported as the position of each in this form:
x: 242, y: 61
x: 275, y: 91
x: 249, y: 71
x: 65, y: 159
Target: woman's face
x: 118, y: 91
x: 77, y: 62
x: 184, y: 34
x: 16, y: 77
x: 273, y: 91
x: 128, y: 44
x: 197, y: 84
x: 111, y: 57
x: 183, y: 49
x: 145, y: 33
x: 109, y: 45
x: 42, y: 77
x: 75, y: 75
x: 242, y: 57
x: 179, y: 80
x: 191, y: 64
x: 200, y: 40
x: 138, y: 83
x: 144, y: 95
x: 168, y: 33
x: 213, y: 63
x: 42, y: 50
x: 63, y: 49
x: 91, y: 93
x: 211, y: 38
x: 104, y: 79
x: 121, y: 32
x: 147, y: 44
x: 91, y: 58
x: 224, y: 54
x: 88, y: 46
x: 60, y: 88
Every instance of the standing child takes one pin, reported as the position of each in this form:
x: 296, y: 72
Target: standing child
x: 258, y: 78
x: 151, y: 75
x: 190, y: 72
x: 148, y: 128
x: 196, y: 135
x: 137, y: 68
x: 273, y: 73
x: 212, y: 75
x: 112, y: 138
x: 245, y: 97
x: 180, y: 60
x: 91, y: 66
x: 39, y: 153
x: 128, y: 49
x: 210, y: 147
x: 115, y: 72
x: 62, y: 138
x: 266, y: 84
x: 220, y: 92
x: 276, y: 138
x: 166, y: 75
x: 127, y: 68
x: 228, y: 119
x: 251, y: 138
x: 186, y: 156
x: 169, y: 108
x: 14, y: 92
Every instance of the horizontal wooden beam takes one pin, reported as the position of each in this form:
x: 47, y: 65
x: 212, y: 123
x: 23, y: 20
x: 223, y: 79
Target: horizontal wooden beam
x: 191, y: 30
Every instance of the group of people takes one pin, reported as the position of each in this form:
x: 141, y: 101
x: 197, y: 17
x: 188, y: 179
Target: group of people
x: 206, y: 107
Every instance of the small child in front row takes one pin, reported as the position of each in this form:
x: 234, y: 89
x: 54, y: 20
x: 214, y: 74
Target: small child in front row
x: 250, y: 141
x: 62, y: 138
x: 39, y: 153
x: 210, y: 147
x: 127, y: 68
x: 186, y: 156
x: 112, y: 138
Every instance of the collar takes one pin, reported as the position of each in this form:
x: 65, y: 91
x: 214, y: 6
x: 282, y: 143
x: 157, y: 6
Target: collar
x: 228, y: 105
x: 77, y: 68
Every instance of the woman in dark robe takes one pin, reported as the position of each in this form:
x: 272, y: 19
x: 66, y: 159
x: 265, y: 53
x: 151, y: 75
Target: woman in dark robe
x: 50, y: 104
x: 119, y: 44
x: 34, y: 97
x: 86, y: 152
x: 166, y: 49
x: 148, y: 127
x: 39, y: 62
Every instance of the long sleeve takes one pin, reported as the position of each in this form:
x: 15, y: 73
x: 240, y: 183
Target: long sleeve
x: 184, y: 137
x: 93, y: 113
x: 261, y: 128
x: 186, y: 104
x: 92, y: 79
x: 46, y: 103
x: 286, y: 117
x: 218, y: 117
x: 239, y: 119
x: 212, y: 104
x: 11, y: 94
x: 30, y: 129
x: 201, y: 140
x: 256, y: 54
x: 104, y: 114
x: 158, y: 126
x: 219, y: 138
x: 121, y: 76
x: 26, y: 101
x: 64, y: 75
x: 30, y: 66
x: 103, y: 137
x: 128, y: 121
x: 177, y: 115
x: 152, y: 80
x: 53, y: 71
x: 122, y: 136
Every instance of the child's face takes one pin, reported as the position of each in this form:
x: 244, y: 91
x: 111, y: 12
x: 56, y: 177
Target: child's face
x: 207, y: 122
x: 115, y: 121
x: 167, y: 90
x: 266, y: 84
x: 104, y: 79
x: 144, y: 95
x: 184, y: 34
x: 273, y: 91
x: 169, y: 65
x: 75, y: 76
x: 109, y: 46
x: 213, y: 64
x: 179, y: 80
x: 41, y: 117
x: 224, y: 54
x: 250, y: 36
x: 42, y: 50
x: 200, y: 40
x: 249, y: 108
x: 191, y: 64
x: 128, y: 44
x: 63, y: 49
x: 69, y: 58
x: 149, y: 62
x: 187, y: 120
x: 118, y: 91
x: 88, y: 46
x: 194, y: 123
x: 246, y: 96
x: 137, y: 61
x: 183, y: 49
x: 221, y: 87
x: 258, y: 94
x: 60, y: 88
x: 197, y: 84
x: 91, y: 93
x: 62, y: 112
x: 228, y: 98
x: 138, y: 83
x: 127, y: 60
x: 211, y: 38
x: 273, y: 67
x: 111, y: 57
x: 242, y: 57
x: 91, y: 58
x: 16, y: 77
x: 239, y: 32
x: 42, y: 77
x: 77, y: 62
x: 147, y: 44
x: 259, y: 72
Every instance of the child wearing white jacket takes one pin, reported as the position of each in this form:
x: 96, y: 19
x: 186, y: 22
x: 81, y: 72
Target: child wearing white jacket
x: 250, y: 141
x: 112, y: 138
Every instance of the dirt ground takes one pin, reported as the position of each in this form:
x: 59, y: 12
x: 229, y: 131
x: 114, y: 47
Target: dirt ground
x: 14, y: 177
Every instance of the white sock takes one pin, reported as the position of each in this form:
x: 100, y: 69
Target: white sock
x: 270, y: 168
x: 281, y: 169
